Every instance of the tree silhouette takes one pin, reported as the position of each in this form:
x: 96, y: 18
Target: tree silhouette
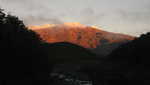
x: 23, y: 60
x: 127, y: 65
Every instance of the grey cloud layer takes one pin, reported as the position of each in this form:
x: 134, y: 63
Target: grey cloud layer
x: 125, y: 16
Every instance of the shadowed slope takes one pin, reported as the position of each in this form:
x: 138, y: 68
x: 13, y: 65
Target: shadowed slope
x: 67, y: 52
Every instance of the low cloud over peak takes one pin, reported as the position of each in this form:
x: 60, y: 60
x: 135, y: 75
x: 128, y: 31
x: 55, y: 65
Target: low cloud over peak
x: 129, y: 16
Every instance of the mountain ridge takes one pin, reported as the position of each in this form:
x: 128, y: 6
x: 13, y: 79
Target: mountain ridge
x: 76, y: 33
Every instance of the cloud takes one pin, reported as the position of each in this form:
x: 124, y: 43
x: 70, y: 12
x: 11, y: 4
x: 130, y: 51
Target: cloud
x: 136, y: 16
x: 31, y: 11
x: 34, y: 20
x: 90, y: 16
x: 130, y: 17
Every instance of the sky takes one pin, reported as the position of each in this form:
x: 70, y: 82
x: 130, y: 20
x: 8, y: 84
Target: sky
x: 123, y: 16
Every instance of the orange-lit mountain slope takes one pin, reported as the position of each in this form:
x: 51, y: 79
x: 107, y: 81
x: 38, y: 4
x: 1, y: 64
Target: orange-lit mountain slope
x: 76, y: 33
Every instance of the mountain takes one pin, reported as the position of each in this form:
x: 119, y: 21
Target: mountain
x: 68, y: 60
x: 127, y: 65
x: 105, y: 49
x: 76, y: 33
x: 67, y: 52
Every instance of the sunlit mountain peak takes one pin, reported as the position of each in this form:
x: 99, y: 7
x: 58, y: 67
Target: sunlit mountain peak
x: 74, y: 24
x: 41, y: 26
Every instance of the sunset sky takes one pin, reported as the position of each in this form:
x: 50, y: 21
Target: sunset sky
x: 123, y: 16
